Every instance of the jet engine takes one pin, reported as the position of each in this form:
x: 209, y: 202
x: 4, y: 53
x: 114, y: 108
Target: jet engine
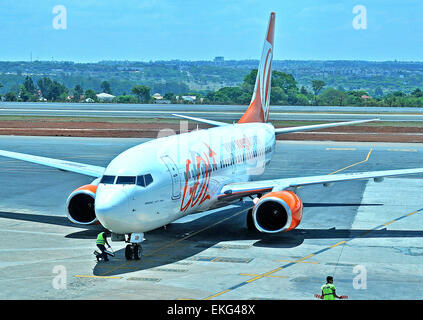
x: 277, y: 211
x: 80, y: 205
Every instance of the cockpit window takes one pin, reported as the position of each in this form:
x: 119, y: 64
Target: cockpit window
x: 125, y: 180
x: 148, y: 179
x: 144, y: 180
x: 107, y: 179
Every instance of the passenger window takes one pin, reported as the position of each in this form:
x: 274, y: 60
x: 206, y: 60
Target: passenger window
x: 125, y: 180
x: 107, y: 179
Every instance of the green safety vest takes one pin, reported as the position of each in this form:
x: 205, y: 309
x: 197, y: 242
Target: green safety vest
x: 100, y: 239
x: 328, y: 290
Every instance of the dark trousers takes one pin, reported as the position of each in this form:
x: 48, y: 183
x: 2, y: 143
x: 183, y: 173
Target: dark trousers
x: 103, y: 252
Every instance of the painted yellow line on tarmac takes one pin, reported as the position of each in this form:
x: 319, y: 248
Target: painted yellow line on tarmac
x: 304, y: 258
x: 216, y: 295
x: 354, y: 164
x: 389, y: 222
x: 337, y: 244
x: 255, y: 275
x: 297, y: 261
x: 411, y: 213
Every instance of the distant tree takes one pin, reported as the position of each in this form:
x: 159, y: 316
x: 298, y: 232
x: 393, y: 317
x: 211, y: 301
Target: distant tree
x: 125, y: 99
x: 57, y: 91
x: 379, y: 92
x: 45, y: 84
x: 142, y: 92
x: 169, y: 96
x: 77, y: 93
x: 11, y: 96
x: 51, y: 90
x: 278, y: 96
x: 317, y: 85
x: 90, y: 94
x: 332, y: 97
x: 284, y: 80
x: 29, y: 85
x: 417, y: 93
x: 249, y: 81
x: 105, y: 87
x: 24, y: 94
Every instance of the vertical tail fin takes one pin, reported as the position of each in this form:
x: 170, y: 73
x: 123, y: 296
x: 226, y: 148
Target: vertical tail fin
x: 258, y: 111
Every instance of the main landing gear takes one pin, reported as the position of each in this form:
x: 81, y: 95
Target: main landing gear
x: 133, y: 250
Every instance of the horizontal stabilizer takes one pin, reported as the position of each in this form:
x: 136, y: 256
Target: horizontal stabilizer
x: 320, y: 126
x: 211, y: 122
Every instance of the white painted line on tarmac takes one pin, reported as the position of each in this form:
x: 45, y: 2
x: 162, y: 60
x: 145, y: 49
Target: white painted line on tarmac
x: 34, y: 232
x: 44, y: 249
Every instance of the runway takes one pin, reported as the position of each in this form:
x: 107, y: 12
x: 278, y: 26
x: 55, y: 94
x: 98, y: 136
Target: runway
x: 365, y: 234
x: 227, y: 113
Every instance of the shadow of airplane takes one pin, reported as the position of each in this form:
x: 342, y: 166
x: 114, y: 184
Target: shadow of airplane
x: 181, y: 243
x: 91, y: 232
x: 311, y: 205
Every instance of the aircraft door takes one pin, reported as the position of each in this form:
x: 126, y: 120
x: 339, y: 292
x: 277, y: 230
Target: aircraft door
x: 174, y: 173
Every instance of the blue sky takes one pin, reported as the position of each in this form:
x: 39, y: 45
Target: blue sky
x: 145, y: 30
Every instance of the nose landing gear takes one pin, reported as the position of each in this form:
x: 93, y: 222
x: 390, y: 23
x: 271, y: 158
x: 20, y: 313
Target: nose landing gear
x: 133, y: 251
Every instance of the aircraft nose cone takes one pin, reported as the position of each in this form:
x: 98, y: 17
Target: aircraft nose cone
x: 110, y: 207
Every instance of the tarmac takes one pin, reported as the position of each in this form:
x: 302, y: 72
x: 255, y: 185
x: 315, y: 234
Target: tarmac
x: 367, y: 235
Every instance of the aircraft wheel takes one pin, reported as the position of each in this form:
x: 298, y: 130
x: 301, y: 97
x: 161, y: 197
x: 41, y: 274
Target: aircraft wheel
x: 137, y: 251
x: 128, y: 252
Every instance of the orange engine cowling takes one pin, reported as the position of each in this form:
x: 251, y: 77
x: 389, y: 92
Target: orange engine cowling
x: 278, y: 211
x: 80, y: 205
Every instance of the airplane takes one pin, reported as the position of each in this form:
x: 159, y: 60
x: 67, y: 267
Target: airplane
x: 157, y: 182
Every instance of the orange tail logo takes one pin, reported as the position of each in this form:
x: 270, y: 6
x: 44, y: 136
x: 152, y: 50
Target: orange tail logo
x: 258, y: 111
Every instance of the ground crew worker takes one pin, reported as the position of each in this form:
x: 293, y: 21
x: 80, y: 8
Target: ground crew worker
x: 101, y: 241
x: 329, y: 290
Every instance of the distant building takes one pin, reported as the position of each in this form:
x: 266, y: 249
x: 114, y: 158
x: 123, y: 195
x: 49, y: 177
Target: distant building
x: 219, y: 59
x: 105, y: 97
x: 89, y: 100
x: 157, y: 96
x: 189, y: 98
x: 365, y: 97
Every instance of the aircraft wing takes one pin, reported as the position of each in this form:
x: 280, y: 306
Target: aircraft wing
x: 319, y: 126
x: 85, y: 169
x: 233, y: 191
x: 211, y: 122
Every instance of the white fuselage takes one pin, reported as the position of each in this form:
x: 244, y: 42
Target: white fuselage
x: 157, y: 182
